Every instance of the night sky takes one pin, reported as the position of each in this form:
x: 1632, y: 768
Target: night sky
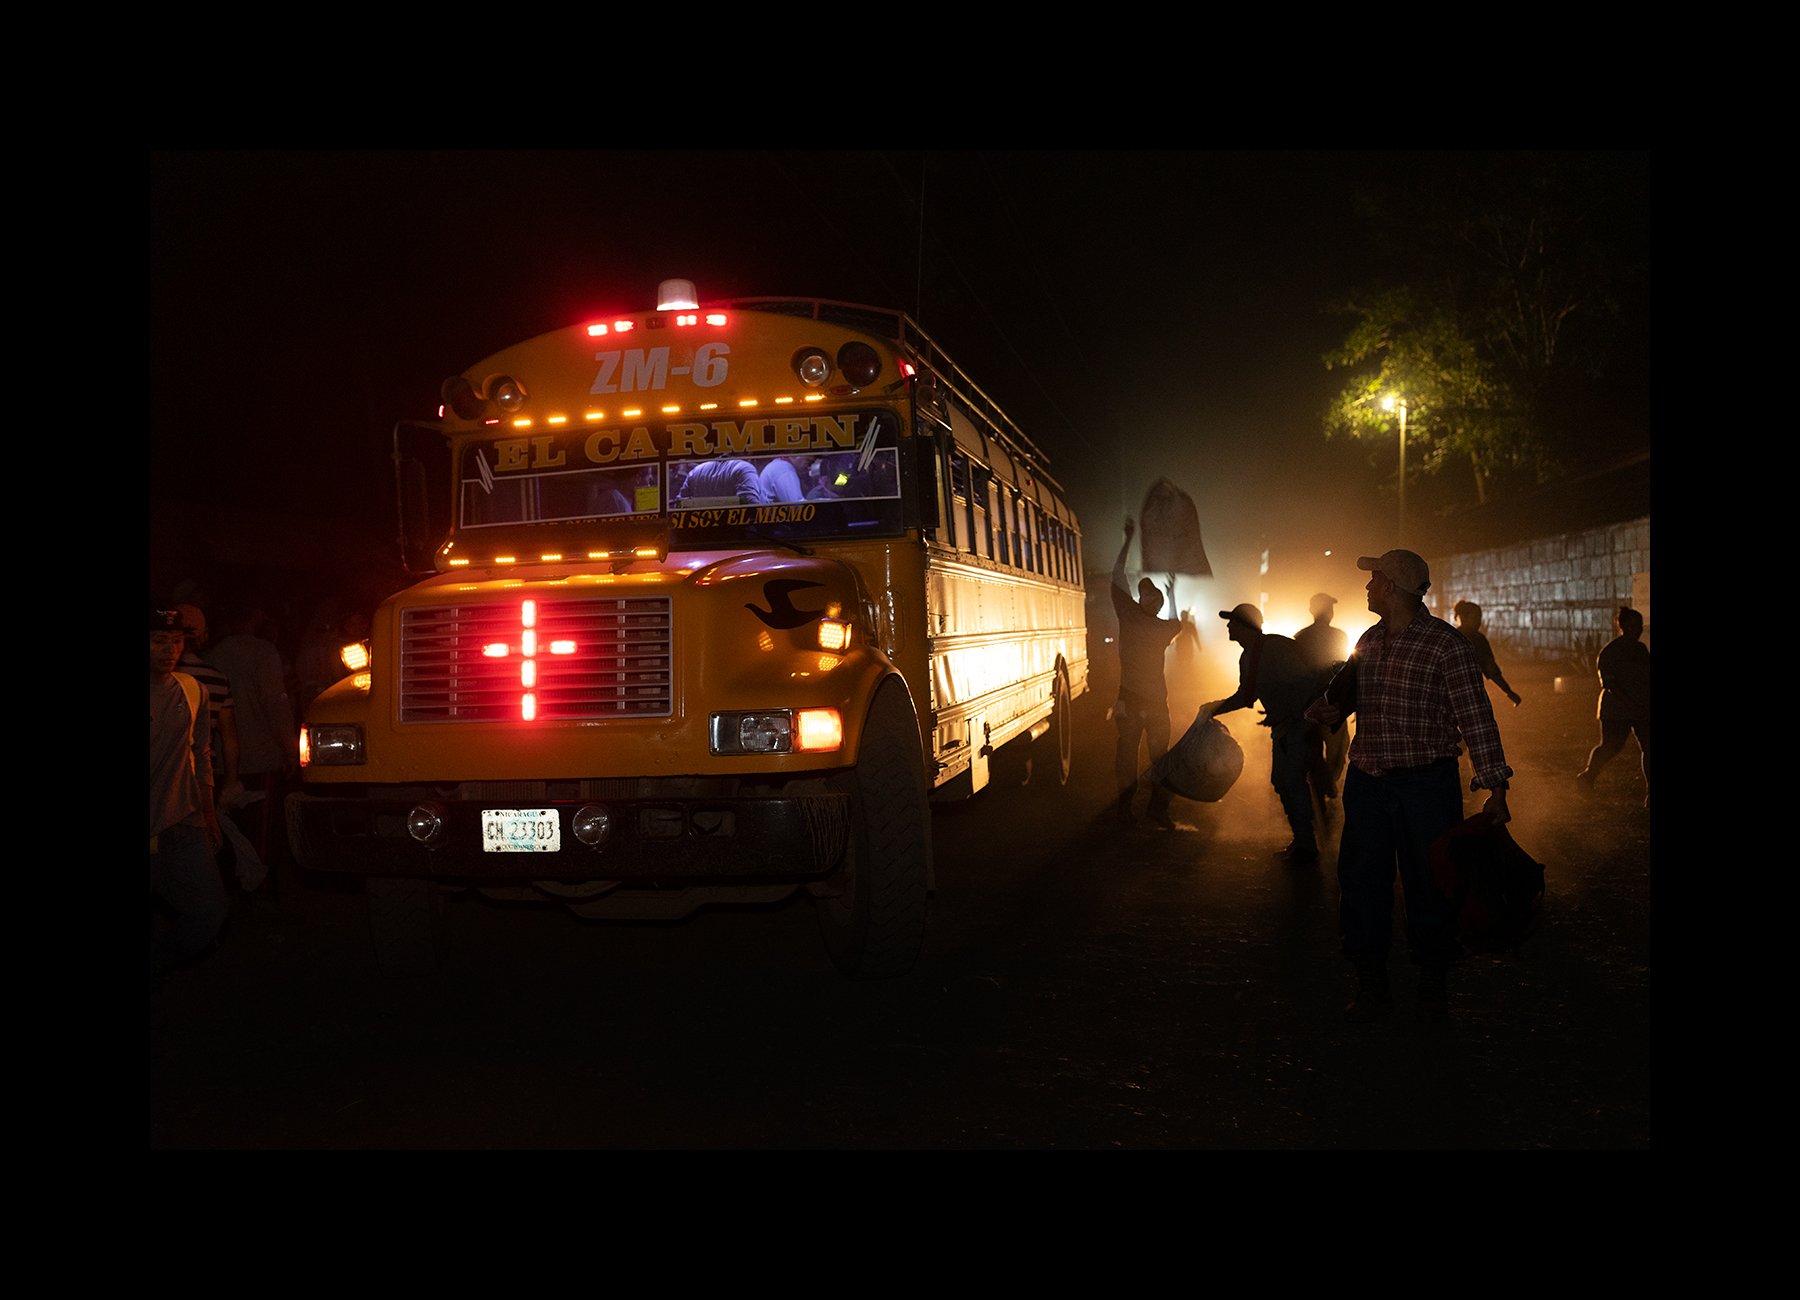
x: 1138, y: 314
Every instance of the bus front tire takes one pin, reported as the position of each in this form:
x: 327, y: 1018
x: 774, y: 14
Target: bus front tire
x: 873, y: 921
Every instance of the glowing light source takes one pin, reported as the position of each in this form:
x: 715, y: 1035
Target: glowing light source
x: 819, y: 729
x: 677, y: 295
x: 528, y: 651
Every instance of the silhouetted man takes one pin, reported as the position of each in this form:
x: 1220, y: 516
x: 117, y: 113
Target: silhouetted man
x: 1418, y: 696
x: 1142, y: 709
x: 1324, y: 648
x: 1624, y: 708
x: 1271, y: 670
x: 1468, y: 622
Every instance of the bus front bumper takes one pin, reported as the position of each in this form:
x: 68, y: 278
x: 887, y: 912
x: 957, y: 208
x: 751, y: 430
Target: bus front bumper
x: 792, y: 837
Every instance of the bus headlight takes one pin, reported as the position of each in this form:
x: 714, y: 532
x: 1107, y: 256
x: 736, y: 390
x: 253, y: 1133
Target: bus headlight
x: 813, y: 366
x: 332, y: 744
x: 460, y: 396
x: 426, y: 824
x: 777, y: 731
x: 860, y: 363
x: 592, y: 825
x: 507, y: 392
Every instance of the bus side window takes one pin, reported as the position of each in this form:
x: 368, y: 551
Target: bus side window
x: 1012, y: 526
x: 1025, y: 533
x: 981, y: 496
x: 962, y: 512
x: 1001, y: 528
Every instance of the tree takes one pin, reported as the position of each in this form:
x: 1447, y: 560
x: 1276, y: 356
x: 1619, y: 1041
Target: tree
x: 1511, y: 317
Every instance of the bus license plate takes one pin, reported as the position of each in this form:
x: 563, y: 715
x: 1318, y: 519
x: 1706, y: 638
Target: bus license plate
x: 520, y: 830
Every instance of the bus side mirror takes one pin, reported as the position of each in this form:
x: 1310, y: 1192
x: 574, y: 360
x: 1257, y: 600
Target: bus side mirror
x: 925, y: 479
x: 417, y: 548
x: 421, y: 528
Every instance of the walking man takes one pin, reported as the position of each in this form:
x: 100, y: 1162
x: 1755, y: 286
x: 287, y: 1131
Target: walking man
x: 1418, y: 695
x: 1272, y: 670
x: 1624, y: 708
x: 1468, y: 622
x: 1142, y: 709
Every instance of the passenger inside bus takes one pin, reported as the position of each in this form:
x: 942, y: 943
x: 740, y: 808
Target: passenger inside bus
x: 780, y: 481
x: 736, y: 480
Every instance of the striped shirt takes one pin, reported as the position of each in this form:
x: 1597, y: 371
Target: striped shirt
x: 1419, y: 692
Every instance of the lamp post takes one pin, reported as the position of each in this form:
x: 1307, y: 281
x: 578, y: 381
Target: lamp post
x: 1389, y: 403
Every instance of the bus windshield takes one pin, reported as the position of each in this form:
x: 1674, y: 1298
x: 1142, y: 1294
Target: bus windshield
x: 839, y: 486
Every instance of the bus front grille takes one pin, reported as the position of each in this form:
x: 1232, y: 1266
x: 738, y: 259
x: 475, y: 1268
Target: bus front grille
x: 553, y: 658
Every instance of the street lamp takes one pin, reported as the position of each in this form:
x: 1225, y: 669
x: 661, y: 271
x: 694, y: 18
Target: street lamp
x: 1388, y: 403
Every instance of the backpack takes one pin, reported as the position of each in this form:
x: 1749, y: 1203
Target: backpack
x: 1495, y: 888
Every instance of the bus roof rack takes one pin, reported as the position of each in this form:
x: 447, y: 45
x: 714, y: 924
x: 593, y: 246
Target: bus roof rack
x: 901, y: 329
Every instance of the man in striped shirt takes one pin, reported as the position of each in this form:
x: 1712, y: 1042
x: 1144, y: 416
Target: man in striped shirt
x: 1418, y: 696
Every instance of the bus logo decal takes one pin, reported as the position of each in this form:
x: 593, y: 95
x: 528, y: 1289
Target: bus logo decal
x: 781, y: 613
x: 637, y: 370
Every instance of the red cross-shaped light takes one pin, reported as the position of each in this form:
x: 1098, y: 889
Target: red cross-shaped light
x: 527, y: 651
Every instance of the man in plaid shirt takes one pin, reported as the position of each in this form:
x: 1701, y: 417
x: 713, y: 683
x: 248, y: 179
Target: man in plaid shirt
x: 1418, y: 695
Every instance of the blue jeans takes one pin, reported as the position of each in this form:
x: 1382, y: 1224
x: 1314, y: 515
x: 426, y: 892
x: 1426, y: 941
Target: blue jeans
x: 185, y: 879
x: 1391, y: 820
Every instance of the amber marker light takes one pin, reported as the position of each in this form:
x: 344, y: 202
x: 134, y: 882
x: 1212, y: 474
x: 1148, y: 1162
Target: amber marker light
x: 818, y: 729
x: 833, y: 635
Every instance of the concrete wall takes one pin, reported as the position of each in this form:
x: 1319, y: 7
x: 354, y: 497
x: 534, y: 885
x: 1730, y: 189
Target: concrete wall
x: 1551, y: 599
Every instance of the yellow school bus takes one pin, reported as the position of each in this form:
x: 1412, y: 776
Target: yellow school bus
x: 719, y: 600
